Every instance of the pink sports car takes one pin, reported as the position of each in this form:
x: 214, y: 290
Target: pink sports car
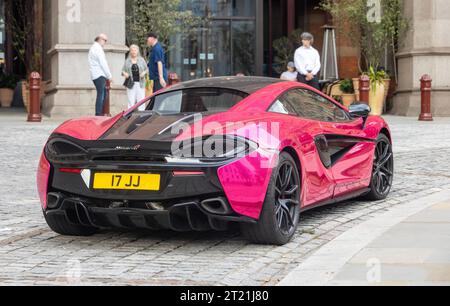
x: 210, y: 153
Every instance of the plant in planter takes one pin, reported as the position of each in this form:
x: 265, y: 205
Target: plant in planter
x: 7, y: 85
x: 348, y: 92
x: 377, y: 90
x: 373, y: 26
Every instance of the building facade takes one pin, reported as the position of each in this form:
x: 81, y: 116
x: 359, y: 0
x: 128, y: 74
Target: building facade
x: 426, y: 50
x: 238, y: 38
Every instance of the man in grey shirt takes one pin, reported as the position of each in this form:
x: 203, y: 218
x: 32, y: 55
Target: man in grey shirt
x: 100, y: 72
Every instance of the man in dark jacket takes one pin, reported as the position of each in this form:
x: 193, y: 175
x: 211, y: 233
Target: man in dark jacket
x: 157, y: 63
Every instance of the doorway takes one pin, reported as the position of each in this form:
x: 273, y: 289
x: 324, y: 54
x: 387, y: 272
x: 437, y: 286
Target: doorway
x: 223, y: 47
x: 281, y: 18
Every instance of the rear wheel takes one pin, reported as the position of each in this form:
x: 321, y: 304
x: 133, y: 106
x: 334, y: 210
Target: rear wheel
x: 60, y: 225
x: 383, y: 170
x: 281, y: 211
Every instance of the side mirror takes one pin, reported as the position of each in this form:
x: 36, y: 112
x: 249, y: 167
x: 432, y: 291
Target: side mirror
x: 359, y: 110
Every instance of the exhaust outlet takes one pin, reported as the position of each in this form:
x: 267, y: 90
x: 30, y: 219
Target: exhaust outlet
x: 54, y: 200
x: 217, y: 206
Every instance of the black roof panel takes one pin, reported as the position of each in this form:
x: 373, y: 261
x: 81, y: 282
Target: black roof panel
x: 244, y: 84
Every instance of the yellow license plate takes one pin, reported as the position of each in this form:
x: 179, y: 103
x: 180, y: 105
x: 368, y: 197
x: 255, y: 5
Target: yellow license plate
x: 127, y: 181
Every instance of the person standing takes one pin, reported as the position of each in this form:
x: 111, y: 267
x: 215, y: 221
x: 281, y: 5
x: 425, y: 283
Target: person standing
x: 135, y: 68
x: 290, y: 74
x: 100, y: 72
x: 157, y: 63
x: 307, y: 62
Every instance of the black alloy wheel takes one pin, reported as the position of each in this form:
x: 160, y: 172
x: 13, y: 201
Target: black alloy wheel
x: 287, y: 194
x: 383, y: 170
x: 281, y: 211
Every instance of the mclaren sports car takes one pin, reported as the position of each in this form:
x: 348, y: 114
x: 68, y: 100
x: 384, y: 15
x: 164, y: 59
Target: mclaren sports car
x: 208, y: 154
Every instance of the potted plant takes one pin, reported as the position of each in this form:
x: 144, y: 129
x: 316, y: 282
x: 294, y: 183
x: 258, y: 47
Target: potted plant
x: 372, y: 28
x: 348, y: 92
x: 7, y: 85
x: 377, y: 91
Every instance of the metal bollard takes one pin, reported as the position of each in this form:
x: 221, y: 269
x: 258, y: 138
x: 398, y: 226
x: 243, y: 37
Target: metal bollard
x: 107, y: 104
x: 35, y: 98
x: 364, y: 89
x: 425, y: 88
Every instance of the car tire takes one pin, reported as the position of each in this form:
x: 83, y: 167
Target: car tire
x: 383, y: 170
x: 60, y: 225
x: 269, y: 229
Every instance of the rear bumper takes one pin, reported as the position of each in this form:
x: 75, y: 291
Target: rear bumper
x: 181, y: 217
x: 172, y: 186
x: 243, y: 182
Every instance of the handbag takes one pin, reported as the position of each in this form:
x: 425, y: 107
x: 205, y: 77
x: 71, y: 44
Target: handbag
x: 129, y: 83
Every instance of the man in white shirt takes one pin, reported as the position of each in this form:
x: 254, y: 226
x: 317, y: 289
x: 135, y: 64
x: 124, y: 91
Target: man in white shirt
x: 100, y: 72
x: 307, y: 62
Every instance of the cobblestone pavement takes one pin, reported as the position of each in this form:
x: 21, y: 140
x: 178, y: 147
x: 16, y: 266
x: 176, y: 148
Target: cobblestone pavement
x: 31, y: 254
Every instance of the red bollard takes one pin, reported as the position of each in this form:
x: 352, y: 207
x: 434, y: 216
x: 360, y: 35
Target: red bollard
x: 425, y: 88
x: 35, y: 98
x: 173, y: 79
x: 107, y: 104
x: 364, y: 89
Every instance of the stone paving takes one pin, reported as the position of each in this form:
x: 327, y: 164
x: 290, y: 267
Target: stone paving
x: 31, y: 254
x: 415, y: 252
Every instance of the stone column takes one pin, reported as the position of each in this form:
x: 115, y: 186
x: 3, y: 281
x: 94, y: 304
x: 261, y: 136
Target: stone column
x: 70, y: 29
x: 426, y: 50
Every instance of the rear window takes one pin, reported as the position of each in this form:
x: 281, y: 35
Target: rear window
x: 196, y: 100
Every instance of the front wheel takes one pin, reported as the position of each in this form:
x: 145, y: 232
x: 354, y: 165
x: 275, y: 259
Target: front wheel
x: 281, y: 211
x: 383, y: 170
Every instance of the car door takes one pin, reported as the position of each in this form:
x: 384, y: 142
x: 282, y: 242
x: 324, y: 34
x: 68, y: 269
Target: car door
x: 348, y: 153
x: 318, y: 181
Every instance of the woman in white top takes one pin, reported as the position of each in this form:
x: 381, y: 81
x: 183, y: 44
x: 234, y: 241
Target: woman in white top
x: 135, y: 68
x: 290, y: 74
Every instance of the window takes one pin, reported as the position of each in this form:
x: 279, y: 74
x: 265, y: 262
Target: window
x: 281, y: 106
x: 220, y: 8
x: 169, y: 103
x: 197, y: 100
x: 222, y: 45
x: 331, y: 109
x: 309, y: 105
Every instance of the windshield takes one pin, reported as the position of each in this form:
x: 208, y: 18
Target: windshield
x: 196, y: 100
